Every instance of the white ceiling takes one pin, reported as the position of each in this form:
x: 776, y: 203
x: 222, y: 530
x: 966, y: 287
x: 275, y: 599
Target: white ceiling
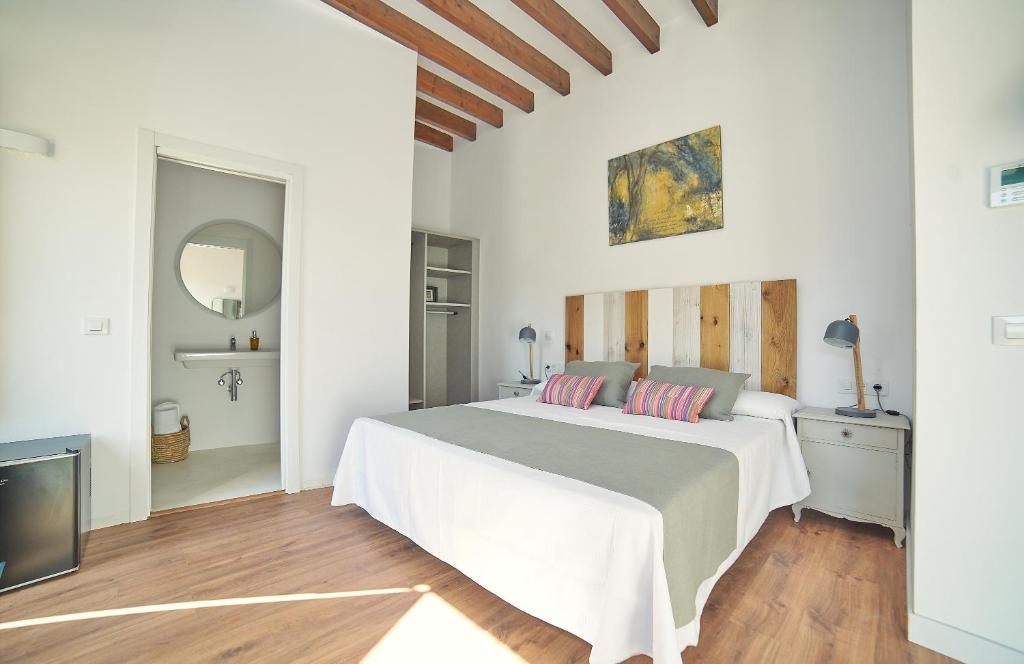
x: 593, y: 14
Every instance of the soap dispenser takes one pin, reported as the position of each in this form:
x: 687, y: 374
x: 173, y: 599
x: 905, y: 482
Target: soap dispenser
x: 254, y: 341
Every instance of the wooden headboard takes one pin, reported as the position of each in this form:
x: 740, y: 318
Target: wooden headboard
x: 747, y: 327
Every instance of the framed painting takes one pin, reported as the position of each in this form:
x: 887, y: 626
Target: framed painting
x: 667, y: 189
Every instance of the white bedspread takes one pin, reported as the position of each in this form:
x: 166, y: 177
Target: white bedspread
x: 580, y: 557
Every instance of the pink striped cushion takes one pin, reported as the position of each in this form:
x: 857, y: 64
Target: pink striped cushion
x: 574, y: 391
x: 667, y: 401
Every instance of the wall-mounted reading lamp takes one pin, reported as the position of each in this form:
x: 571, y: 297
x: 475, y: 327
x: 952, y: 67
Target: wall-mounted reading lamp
x: 20, y: 142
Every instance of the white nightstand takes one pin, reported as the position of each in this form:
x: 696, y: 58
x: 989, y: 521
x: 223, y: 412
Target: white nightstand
x: 855, y: 466
x: 513, y: 389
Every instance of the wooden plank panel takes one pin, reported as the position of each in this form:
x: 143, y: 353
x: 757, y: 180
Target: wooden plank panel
x: 474, y: 21
x: 778, y: 337
x: 573, y: 328
x: 444, y: 119
x: 431, y: 136
x: 561, y: 24
x: 660, y: 311
x: 636, y: 331
x: 430, y: 84
x: 593, y: 327
x: 640, y: 23
x: 708, y: 10
x: 396, y: 25
x: 745, y: 331
x: 714, y: 327
x: 686, y: 326
x: 615, y: 326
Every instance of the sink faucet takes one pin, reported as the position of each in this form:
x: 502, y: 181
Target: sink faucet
x: 233, y: 381
x: 234, y: 344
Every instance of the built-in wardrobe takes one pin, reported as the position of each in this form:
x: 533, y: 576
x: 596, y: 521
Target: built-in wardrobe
x: 443, y: 319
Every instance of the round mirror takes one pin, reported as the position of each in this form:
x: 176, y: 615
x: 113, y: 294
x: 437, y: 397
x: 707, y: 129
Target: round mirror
x: 231, y: 268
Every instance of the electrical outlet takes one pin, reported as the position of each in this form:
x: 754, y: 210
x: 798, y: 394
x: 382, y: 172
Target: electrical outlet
x: 846, y: 386
x: 553, y: 368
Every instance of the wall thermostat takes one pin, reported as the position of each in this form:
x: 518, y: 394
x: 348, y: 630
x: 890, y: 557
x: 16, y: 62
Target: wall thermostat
x: 1006, y: 184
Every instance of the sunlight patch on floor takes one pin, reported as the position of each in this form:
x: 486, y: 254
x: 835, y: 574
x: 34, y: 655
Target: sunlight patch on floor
x: 435, y: 631
x: 206, y: 604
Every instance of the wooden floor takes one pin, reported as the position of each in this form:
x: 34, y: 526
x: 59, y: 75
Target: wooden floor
x: 825, y: 590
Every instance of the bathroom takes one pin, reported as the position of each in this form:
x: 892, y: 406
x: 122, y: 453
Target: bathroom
x: 216, y: 329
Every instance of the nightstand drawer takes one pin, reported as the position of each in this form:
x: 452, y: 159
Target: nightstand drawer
x: 506, y: 392
x: 852, y: 480
x: 849, y: 434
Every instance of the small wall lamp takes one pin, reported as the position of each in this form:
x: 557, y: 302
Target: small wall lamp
x: 20, y: 142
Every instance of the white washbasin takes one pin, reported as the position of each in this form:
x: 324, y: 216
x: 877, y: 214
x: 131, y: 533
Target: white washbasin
x: 227, y: 359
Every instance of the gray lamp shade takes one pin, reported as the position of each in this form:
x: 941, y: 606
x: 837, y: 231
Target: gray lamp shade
x: 528, y: 335
x: 842, y: 333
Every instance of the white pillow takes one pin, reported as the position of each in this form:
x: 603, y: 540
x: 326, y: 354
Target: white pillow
x: 765, y: 404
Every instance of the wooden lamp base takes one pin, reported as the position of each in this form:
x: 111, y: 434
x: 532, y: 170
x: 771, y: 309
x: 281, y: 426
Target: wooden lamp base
x: 531, y: 380
x: 861, y: 409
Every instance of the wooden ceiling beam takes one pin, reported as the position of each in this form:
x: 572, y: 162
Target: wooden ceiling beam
x: 640, y: 23
x: 429, y: 83
x: 445, y: 119
x: 471, y: 19
x: 708, y: 10
x: 426, y: 134
x: 556, y: 20
x: 399, y: 27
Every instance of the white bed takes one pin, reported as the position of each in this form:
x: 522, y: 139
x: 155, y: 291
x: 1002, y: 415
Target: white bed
x: 580, y: 557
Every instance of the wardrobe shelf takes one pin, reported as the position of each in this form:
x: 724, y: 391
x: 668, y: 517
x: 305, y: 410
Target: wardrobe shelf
x: 447, y: 304
x: 445, y: 272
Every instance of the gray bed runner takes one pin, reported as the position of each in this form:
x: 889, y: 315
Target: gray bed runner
x: 695, y: 487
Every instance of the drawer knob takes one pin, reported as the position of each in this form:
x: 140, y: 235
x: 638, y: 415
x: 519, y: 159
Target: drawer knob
x: 847, y: 433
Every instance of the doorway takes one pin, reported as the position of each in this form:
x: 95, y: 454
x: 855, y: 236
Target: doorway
x: 215, y: 335
x: 217, y: 259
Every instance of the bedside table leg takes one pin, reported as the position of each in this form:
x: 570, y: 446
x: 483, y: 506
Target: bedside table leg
x: 797, y: 508
x: 898, y: 535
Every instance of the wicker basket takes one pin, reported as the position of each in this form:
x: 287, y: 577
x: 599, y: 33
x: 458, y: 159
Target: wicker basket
x: 171, y: 447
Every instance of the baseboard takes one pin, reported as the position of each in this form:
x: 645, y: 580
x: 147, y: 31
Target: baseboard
x: 108, y: 520
x: 958, y: 644
x: 317, y: 482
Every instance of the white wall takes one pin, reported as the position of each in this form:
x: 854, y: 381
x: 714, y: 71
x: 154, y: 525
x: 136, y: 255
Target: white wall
x: 968, y: 72
x: 812, y: 98
x: 431, y: 188
x: 186, y: 198
x: 283, y: 79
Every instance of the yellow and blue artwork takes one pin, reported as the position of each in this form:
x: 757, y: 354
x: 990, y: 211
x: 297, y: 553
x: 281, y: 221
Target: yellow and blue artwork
x: 667, y: 189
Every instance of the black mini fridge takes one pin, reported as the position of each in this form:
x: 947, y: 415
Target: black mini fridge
x: 45, y: 496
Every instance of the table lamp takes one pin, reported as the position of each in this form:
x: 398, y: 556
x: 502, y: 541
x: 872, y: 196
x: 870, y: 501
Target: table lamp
x: 528, y: 336
x: 846, y: 334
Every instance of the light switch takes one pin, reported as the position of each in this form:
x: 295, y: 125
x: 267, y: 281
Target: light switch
x: 93, y: 325
x: 1008, y: 330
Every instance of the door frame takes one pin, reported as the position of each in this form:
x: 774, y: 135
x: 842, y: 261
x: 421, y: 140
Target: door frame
x: 151, y: 146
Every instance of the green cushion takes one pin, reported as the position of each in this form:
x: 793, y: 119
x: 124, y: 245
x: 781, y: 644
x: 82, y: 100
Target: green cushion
x: 617, y: 378
x: 727, y: 387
